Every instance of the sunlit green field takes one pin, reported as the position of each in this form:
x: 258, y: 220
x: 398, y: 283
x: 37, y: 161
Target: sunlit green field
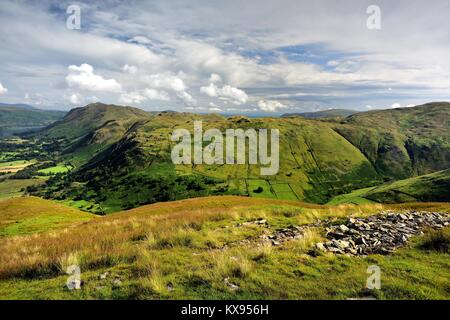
x: 56, y: 169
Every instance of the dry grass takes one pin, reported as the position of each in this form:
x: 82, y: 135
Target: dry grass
x: 230, y: 263
x: 117, y: 238
x: 306, y: 242
x: 31, y: 214
x: 264, y: 252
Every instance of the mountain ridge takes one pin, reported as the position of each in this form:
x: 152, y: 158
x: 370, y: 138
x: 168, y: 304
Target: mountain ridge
x: 318, y: 158
x: 331, y: 113
x: 21, y: 118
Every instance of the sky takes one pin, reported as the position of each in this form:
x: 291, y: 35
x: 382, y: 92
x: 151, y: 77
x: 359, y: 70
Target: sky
x: 229, y: 56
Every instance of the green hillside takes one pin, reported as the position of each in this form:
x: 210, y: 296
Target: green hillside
x: 434, y: 187
x: 315, y: 164
x: 121, y: 156
x: 19, y: 118
x: 28, y: 215
x: 84, y: 132
x: 401, y: 143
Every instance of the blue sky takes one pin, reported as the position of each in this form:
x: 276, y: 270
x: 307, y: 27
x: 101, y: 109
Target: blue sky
x: 225, y: 56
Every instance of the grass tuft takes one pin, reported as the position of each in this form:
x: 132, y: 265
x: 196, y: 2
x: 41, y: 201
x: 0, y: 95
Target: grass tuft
x: 437, y: 241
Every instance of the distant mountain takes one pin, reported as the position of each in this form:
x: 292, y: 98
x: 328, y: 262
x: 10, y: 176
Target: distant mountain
x: 91, y: 129
x: 331, y: 113
x: 122, y: 155
x: 404, y: 142
x: 18, y: 106
x: 20, y: 118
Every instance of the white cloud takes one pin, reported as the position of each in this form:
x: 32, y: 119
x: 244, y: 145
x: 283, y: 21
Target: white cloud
x: 83, y: 78
x: 132, y: 98
x: 137, y: 97
x: 171, y: 82
x: 162, y: 38
x: 214, y: 107
x: 166, y: 81
x: 270, y: 105
x: 154, y: 94
x: 227, y: 92
x: 129, y: 69
x: 186, y: 98
x: 3, y: 90
x: 75, y: 98
x: 210, y: 90
x: 214, y: 78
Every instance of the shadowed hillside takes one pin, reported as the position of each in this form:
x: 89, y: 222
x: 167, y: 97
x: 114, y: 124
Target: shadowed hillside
x: 86, y: 131
x: 403, y: 142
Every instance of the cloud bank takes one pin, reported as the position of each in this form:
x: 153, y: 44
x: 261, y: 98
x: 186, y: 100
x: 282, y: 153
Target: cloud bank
x: 276, y: 56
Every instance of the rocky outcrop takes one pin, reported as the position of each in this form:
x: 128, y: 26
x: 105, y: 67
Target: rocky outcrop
x: 380, y: 234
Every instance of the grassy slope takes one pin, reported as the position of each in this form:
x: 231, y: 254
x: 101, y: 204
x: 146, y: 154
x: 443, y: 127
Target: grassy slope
x: 57, y: 169
x: 178, y: 243
x: 10, y: 188
x: 20, y: 216
x: 319, y: 159
x: 431, y: 187
x: 401, y: 143
x: 315, y: 163
x: 89, y: 130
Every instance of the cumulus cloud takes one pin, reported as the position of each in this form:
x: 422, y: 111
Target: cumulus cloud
x: 214, y: 78
x: 211, y: 90
x: 3, y: 90
x: 137, y: 97
x: 166, y: 81
x: 154, y: 94
x: 132, y: 98
x: 214, y: 107
x: 227, y: 92
x: 129, y: 69
x: 270, y: 105
x: 75, y: 99
x: 186, y: 98
x: 171, y: 82
x: 84, y: 78
x: 268, y: 60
